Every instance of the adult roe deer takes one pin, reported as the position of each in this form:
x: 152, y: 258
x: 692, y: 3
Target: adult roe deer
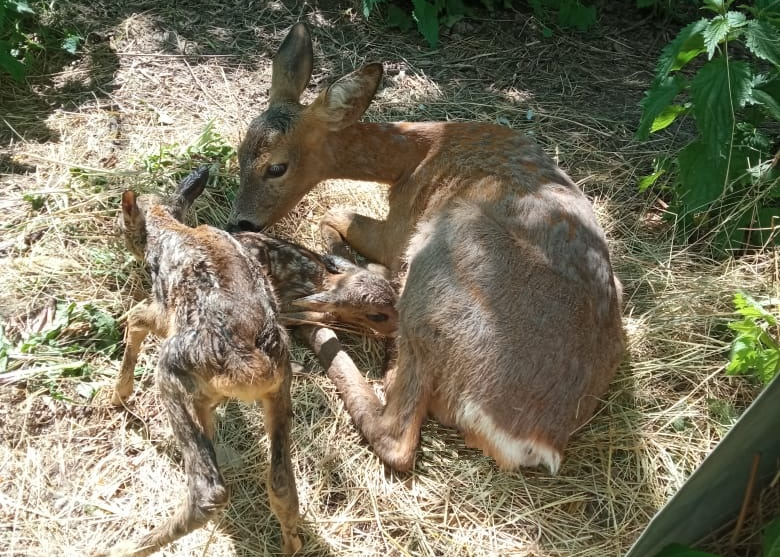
x: 217, y: 314
x: 509, y: 315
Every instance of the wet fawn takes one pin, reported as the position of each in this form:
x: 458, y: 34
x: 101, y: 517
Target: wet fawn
x: 509, y: 315
x: 213, y: 306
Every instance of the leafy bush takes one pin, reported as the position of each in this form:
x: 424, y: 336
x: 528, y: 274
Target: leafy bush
x: 724, y: 180
x: 22, y: 35
x: 14, y: 44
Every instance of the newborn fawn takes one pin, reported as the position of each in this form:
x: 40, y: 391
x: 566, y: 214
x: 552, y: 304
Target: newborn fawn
x: 327, y: 288
x: 214, y: 306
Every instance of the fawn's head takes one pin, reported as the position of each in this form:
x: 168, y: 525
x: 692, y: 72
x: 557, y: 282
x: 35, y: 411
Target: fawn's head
x: 286, y: 150
x: 135, y: 209
x: 360, y: 296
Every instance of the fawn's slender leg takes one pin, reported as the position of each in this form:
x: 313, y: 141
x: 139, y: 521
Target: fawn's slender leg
x: 282, y: 492
x: 142, y: 319
x: 207, y: 493
x: 392, y: 430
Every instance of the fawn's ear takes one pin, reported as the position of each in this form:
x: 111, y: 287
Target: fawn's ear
x: 321, y: 301
x: 343, y: 103
x: 291, y: 69
x: 188, y: 190
x: 131, y: 215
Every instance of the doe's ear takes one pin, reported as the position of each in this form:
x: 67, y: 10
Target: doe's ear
x: 292, y: 65
x: 343, y: 103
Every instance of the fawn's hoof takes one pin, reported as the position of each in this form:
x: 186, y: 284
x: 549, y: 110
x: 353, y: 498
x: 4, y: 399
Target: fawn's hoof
x: 291, y: 544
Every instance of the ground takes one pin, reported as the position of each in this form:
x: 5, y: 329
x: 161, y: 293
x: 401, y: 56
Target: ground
x: 157, y: 88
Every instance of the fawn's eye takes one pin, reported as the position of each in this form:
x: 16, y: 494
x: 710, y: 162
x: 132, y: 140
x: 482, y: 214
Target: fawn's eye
x: 376, y: 317
x: 276, y: 170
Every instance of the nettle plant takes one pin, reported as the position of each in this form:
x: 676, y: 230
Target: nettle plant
x: 725, y: 181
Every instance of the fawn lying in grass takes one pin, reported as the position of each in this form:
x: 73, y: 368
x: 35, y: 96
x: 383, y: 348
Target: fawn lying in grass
x: 324, y: 288
x: 214, y: 306
x: 509, y: 315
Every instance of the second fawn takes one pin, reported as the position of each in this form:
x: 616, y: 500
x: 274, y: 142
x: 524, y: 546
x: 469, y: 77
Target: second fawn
x: 217, y: 314
x: 509, y: 314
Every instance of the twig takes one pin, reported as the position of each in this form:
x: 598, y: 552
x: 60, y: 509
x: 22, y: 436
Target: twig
x: 746, y: 500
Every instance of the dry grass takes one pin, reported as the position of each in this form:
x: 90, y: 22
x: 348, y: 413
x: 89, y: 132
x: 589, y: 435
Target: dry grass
x: 76, y: 474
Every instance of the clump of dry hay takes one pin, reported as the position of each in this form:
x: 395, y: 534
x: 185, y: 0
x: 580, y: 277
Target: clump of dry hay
x: 76, y: 473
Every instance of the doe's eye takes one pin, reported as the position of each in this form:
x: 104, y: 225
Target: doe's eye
x: 276, y: 170
x: 376, y: 317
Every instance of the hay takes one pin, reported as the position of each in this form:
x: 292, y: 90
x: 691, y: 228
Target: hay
x: 76, y: 474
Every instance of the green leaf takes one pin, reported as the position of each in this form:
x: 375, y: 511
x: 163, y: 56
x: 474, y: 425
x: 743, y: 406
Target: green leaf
x: 761, y: 97
x: 719, y: 28
x: 647, y: 181
x: 688, y: 44
x: 71, y: 44
x: 702, y: 177
x: 667, y: 116
x: 573, y: 13
x: 677, y: 550
x: 718, y: 89
x: 22, y: 7
x: 657, y: 99
x: 772, y: 538
x: 427, y: 17
x: 396, y: 17
x: 747, y: 306
x: 763, y: 40
x: 717, y: 6
x: 11, y: 65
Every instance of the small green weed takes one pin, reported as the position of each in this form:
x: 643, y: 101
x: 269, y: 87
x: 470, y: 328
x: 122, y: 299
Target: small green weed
x: 755, y: 349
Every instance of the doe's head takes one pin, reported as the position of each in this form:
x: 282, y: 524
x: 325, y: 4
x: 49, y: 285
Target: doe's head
x: 288, y: 148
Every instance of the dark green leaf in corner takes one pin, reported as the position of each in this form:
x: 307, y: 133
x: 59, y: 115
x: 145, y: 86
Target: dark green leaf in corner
x: 772, y: 538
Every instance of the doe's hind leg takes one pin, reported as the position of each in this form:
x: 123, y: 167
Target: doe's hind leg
x: 282, y: 493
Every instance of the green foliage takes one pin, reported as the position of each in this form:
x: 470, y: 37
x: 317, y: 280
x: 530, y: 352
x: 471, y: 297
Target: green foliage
x: 59, y: 348
x: 22, y: 36
x: 732, y: 103
x: 755, y: 349
x: 429, y: 16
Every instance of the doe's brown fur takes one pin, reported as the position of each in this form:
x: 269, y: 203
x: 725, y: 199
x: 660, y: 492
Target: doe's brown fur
x: 509, y: 314
x: 214, y: 307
